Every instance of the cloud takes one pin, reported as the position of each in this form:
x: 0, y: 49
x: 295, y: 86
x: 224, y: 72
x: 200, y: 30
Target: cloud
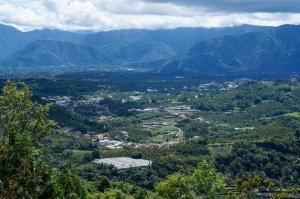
x: 292, y: 6
x: 150, y: 14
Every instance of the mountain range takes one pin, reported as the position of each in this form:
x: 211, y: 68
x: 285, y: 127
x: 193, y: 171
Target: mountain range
x: 276, y: 50
x: 242, y: 49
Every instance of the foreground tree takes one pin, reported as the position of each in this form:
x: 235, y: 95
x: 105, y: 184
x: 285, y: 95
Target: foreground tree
x: 203, y: 182
x: 115, y: 194
x: 176, y: 186
x: 206, y: 181
x: 23, y: 174
x: 22, y: 123
x: 68, y: 185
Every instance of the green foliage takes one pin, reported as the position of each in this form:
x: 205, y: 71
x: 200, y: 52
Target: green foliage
x: 269, y: 108
x: 22, y: 172
x: 20, y: 117
x: 66, y: 117
x: 175, y: 186
x: 276, y: 160
x: 252, y: 93
x: 279, y: 128
x: 246, y: 186
x: 102, y: 184
x: 69, y: 185
x: 22, y: 123
x: 113, y: 189
x: 191, y: 128
x: 132, y: 125
x: 204, y: 182
x: 63, y: 148
x: 115, y: 194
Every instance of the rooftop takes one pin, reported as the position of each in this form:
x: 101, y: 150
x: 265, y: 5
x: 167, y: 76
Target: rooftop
x: 124, y: 162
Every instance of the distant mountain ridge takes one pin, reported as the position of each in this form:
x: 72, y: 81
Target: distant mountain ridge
x: 13, y: 40
x: 57, y: 53
x: 130, y: 48
x: 275, y: 50
x: 178, y: 51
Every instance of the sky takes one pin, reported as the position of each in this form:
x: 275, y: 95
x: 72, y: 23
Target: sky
x: 99, y: 15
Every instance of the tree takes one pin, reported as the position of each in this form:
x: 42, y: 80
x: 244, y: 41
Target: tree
x: 246, y: 187
x: 70, y: 185
x: 96, y: 154
x: 102, y: 184
x: 115, y: 194
x: 22, y: 123
x: 203, y: 182
x: 22, y: 118
x: 206, y: 181
x: 176, y: 186
x: 23, y: 174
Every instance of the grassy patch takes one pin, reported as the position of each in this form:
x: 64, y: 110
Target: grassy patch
x: 295, y: 114
x: 158, y: 138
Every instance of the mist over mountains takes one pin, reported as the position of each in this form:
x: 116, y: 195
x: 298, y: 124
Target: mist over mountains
x: 183, y: 50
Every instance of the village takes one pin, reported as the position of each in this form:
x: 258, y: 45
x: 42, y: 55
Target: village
x: 162, y: 128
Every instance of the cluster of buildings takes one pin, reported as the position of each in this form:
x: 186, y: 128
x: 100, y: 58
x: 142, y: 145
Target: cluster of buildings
x: 155, y: 125
x: 66, y: 101
x: 143, y: 110
x: 105, y: 142
x: 63, y: 101
x: 111, y: 144
x: 170, y: 112
x: 229, y: 85
x: 214, y: 86
x: 91, y: 101
x: 182, y: 109
x: 104, y: 118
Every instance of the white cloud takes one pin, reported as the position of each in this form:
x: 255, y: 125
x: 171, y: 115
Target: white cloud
x: 241, y: 5
x: 119, y: 14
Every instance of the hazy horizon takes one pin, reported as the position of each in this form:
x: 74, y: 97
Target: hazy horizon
x: 87, y: 31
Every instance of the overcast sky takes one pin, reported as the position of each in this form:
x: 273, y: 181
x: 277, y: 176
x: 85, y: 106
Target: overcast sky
x: 151, y: 14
